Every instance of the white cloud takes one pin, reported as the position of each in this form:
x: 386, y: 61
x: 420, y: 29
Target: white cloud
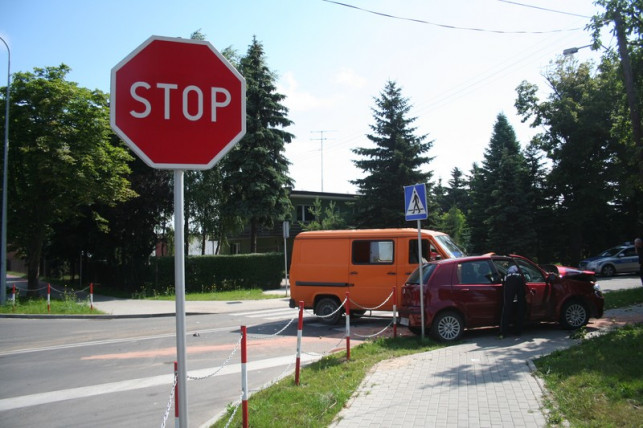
x: 298, y: 100
x: 348, y: 77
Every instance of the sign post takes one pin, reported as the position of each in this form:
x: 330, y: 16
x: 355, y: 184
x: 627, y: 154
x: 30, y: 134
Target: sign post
x: 179, y: 105
x: 415, y: 209
x: 286, y: 228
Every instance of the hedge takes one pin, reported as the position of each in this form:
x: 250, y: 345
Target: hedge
x: 221, y: 273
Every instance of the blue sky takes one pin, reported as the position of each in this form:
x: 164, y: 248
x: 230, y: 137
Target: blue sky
x: 331, y: 62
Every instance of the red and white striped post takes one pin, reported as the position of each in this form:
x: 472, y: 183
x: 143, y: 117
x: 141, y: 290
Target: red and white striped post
x: 347, y: 308
x: 13, y: 295
x: 48, y: 297
x: 177, y: 422
x: 91, y: 296
x: 394, y: 313
x: 244, y: 377
x: 300, y: 327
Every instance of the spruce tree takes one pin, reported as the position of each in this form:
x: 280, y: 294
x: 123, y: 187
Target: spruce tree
x: 256, y: 170
x: 393, y: 163
x: 503, y: 194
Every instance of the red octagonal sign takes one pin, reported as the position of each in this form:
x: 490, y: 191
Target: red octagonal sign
x: 178, y: 103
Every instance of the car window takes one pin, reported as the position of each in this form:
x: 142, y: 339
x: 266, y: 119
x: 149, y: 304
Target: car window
x: 476, y: 272
x: 611, y: 252
x: 629, y: 252
x: 427, y: 270
x: 413, y: 251
x: 530, y: 272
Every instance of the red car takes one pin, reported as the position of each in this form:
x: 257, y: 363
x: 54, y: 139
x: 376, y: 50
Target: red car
x: 467, y: 292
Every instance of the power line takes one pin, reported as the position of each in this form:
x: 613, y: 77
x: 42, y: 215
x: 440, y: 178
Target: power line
x: 451, y: 27
x: 544, y: 8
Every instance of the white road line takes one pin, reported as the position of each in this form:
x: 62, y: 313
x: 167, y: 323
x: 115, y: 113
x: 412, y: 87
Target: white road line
x: 133, y: 384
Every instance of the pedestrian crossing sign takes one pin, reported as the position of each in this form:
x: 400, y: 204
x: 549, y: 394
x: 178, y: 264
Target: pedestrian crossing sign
x: 415, y: 202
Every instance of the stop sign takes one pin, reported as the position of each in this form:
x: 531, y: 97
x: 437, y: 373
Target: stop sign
x: 178, y: 103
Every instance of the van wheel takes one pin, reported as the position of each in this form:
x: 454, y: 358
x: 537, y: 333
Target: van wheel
x: 447, y: 327
x: 574, y: 315
x: 326, y: 307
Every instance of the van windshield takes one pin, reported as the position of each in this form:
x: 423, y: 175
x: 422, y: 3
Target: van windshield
x: 427, y: 270
x: 449, y: 246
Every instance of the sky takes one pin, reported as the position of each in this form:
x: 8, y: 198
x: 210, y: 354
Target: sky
x: 332, y: 61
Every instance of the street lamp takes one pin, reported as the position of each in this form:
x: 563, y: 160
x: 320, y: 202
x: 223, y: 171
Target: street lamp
x: 572, y: 51
x: 3, y: 262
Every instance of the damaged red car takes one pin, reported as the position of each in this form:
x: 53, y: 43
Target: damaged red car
x: 467, y: 292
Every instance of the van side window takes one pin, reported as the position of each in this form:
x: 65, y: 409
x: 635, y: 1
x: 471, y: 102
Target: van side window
x: 413, y: 251
x: 373, y: 252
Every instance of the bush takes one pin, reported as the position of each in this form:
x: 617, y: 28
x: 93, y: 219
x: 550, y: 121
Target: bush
x: 221, y: 273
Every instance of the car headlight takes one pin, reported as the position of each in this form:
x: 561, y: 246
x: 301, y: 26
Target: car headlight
x: 597, y: 290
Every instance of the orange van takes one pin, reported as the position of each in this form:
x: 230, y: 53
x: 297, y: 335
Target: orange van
x: 326, y: 264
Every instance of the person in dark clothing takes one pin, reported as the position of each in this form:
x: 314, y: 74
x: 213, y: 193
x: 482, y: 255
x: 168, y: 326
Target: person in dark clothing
x: 638, y: 244
x: 513, y: 305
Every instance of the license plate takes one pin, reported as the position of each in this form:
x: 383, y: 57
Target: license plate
x: 404, y: 321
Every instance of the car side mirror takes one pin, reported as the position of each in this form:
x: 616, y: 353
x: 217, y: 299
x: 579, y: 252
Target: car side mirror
x: 551, y: 277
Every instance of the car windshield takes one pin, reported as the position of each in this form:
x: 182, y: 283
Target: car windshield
x: 427, y: 270
x: 449, y: 246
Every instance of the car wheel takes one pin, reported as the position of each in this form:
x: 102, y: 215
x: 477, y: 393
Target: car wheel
x: 327, y: 306
x: 608, y: 270
x: 574, y: 315
x: 447, y: 327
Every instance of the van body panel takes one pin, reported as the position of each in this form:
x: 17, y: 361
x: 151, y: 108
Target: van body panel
x: 369, y: 263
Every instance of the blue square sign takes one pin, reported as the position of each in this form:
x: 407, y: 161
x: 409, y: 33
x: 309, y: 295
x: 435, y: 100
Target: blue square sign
x: 415, y: 202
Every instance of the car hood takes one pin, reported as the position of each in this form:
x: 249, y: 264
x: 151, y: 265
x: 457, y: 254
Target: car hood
x: 574, y: 273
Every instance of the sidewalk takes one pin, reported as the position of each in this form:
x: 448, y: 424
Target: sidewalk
x: 483, y: 382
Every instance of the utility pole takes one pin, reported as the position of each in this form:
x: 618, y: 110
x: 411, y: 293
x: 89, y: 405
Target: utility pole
x: 321, y: 140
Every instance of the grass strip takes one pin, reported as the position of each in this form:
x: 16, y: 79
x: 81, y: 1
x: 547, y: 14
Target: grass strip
x: 598, y: 383
x: 325, y: 386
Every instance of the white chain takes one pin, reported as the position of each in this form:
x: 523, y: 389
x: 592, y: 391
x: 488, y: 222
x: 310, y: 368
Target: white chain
x: 339, y: 308
x: 274, y: 334
x: 235, y: 411
x: 236, y: 346
x: 375, y: 334
x: 376, y: 307
x: 169, y: 402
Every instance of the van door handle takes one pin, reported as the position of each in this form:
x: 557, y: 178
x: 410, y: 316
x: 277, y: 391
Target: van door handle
x: 391, y: 273
x: 353, y: 273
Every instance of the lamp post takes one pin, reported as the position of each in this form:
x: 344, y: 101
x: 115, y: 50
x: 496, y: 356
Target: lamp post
x: 3, y: 262
x: 572, y: 51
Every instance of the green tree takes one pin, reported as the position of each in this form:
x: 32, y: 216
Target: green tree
x: 394, y: 162
x: 62, y: 159
x: 326, y: 218
x: 586, y: 156
x: 454, y: 223
x: 503, y: 194
x: 256, y: 177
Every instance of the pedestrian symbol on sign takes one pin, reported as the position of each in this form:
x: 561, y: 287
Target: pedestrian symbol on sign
x: 415, y: 202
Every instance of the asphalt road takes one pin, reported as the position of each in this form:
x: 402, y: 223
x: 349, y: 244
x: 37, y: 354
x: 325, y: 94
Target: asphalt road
x: 119, y: 372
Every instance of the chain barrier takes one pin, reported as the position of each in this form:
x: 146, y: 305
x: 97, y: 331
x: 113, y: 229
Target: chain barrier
x: 236, y: 407
x: 376, y: 307
x: 65, y: 291
x: 169, y: 402
x: 270, y: 336
x: 317, y: 354
x: 368, y: 336
x: 225, y: 363
x: 339, y: 308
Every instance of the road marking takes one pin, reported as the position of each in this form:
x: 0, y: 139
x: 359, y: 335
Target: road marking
x: 147, y: 382
x: 106, y: 342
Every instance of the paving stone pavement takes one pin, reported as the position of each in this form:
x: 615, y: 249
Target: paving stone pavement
x: 482, y: 382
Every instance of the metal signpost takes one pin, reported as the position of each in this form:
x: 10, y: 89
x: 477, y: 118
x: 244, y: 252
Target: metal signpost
x: 415, y: 209
x: 179, y: 105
